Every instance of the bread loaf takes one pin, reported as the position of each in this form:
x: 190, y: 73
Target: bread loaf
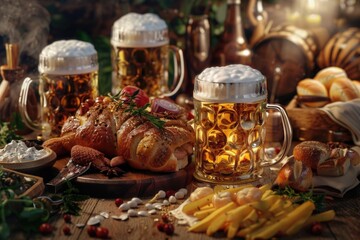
x: 110, y: 128
x: 310, y: 87
x: 357, y: 84
x: 311, y: 153
x: 342, y: 89
x: 327, y: 75
x: 295, y: 174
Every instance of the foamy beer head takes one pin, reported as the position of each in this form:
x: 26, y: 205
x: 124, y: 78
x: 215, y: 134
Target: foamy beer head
x: 233, y: 84
x: 139, y: 30
x: 68, y: 57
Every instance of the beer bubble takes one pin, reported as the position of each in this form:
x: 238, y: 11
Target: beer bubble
x: 139, y: 30
x: 68, y: 57
x: 232, y: 83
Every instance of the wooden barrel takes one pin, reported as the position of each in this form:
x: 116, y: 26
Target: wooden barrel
x: 343, y: 50
x: 286, y: 55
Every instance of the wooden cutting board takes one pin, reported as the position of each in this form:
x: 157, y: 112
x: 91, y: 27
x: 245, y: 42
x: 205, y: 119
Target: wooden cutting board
x: 132, y: 184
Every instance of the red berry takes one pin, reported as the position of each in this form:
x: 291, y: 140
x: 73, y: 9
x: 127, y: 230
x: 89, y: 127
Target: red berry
x: 316, y: 228
x: 118, y: 202
x: 170, y: 193
x: 140, y: 99
x: 165, y: 217
x: 67, y: 218
x: 277, y: 149
x: 169, y: 228
x: 45, y: 228
x: 66, y: 230
x: 91, y: 230
x: 160, y: 226
x: 102, y: 232
x: 190, y: 116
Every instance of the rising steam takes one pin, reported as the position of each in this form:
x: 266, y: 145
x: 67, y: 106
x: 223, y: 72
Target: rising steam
x: 24, y: 22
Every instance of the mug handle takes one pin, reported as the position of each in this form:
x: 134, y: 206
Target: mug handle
x: 286, y: 145
x: 24, y: 92
x: 178, y: 70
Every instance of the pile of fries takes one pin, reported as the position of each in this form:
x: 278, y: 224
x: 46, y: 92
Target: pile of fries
x: 271, y: 215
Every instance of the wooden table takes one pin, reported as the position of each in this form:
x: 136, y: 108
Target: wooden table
x: 345, y: 226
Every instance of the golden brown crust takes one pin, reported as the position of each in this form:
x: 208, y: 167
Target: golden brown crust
x: 56, y: 145
x: 132, y: 138
x: 296, y: 175
x: 155, y: 150
x: 311, y: 153
x: 342, y: 89
x: 327, y: 75
x: 310, y: 87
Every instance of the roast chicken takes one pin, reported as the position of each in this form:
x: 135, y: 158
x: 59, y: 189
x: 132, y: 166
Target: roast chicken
x: 122, y: 132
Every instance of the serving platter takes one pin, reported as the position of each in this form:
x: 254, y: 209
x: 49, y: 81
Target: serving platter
x: 132, y: 183
x: 32, y: 166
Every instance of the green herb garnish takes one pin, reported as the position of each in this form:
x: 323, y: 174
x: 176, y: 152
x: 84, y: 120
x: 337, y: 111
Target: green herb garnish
x: 301, y: 197
x: 8, y: 133
x: 132, y: 108
x: 71, y: 200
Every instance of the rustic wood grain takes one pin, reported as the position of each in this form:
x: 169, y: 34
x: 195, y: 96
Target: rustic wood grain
x: 133, y: 183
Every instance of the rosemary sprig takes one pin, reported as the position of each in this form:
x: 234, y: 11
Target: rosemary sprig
x: 132, y: 108
x: 300, y: 197
x: 71, y: 200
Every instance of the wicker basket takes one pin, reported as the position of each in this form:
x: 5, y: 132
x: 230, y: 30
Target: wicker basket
x: 315, y: 124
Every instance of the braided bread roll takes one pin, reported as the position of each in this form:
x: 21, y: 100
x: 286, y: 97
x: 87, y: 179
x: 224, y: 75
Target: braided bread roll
x: 116, y: 133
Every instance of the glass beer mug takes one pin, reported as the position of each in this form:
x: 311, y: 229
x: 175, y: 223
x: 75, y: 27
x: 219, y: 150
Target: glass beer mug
x: 230, y: 115
x: 140, y: 55
x: 68, y: 76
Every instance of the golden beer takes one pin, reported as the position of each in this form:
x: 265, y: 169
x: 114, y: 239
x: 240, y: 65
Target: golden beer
x: 140, y: 55
x: 63, y: 95
x: 145, y: 68
x: 230, y: 139
x: 230, y: 117
x: 68, y: 76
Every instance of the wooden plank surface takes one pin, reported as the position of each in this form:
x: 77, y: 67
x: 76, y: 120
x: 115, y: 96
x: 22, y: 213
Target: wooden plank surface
x: 345, y: 225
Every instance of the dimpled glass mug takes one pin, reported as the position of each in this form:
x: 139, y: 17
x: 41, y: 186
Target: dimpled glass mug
x: 140, y: 55
x: 230, y: 115
x: 68, y: 77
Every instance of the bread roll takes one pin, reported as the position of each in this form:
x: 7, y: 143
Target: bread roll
x: 334, y: 167
x: 309, y: 87
x: 327, y: 75
x: 296, y: 175
x: 311, y: 153
x: 357, y: 84
x: 342, y: 89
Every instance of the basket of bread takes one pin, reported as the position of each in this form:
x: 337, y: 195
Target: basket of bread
x: 310, y: 110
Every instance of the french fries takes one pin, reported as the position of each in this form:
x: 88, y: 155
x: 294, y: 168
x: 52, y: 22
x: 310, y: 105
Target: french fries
x: 261, y: 219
